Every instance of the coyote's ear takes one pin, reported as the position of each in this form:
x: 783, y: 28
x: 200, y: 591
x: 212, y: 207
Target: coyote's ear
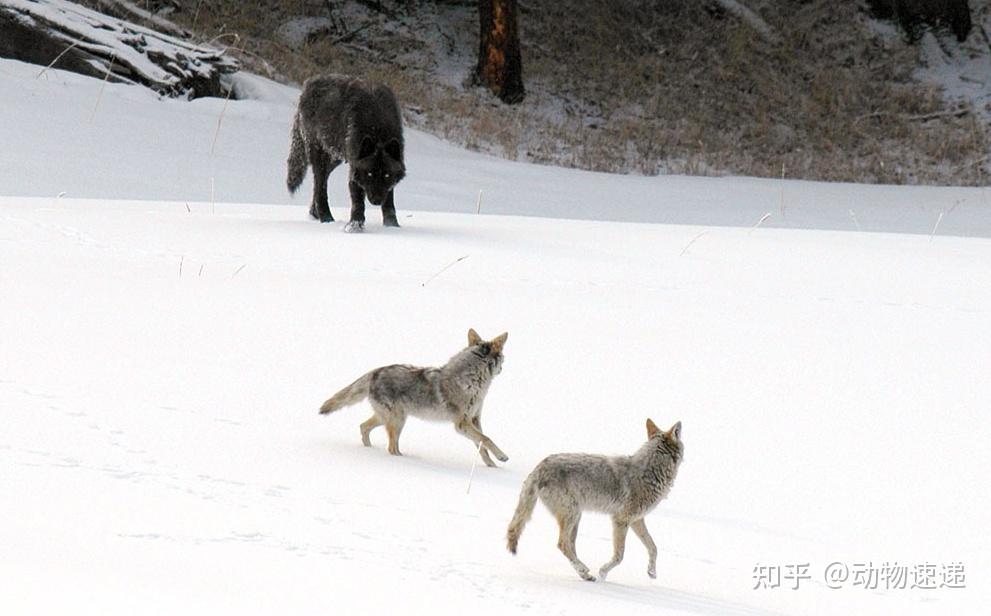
x: 473, y: 337
x: 652, y: 428
x: 393, y: 149
x: 675, y: 431
x: 499, y: 341
x: 367, y: 147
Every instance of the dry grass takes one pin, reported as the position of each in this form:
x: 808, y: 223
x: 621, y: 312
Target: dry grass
x: 646, y: 87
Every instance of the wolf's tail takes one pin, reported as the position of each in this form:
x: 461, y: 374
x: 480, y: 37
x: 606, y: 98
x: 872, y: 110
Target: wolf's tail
x: 352, y: 394
x: 297, y: 162
x: 528, y: 500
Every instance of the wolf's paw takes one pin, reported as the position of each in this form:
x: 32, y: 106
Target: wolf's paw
x: 652, y: 573
x: 390, y: 222
x: 325, y: 217
x: 354, y: 226
x: 502, y: 457
x: 585, y: 575
x: 602, y: 575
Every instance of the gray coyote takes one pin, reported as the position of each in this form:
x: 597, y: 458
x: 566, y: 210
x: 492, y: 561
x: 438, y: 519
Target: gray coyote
x: 627, y: 487
x: 454, y: 392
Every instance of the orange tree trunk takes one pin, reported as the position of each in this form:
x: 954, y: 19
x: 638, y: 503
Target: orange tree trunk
x: 499, y: 65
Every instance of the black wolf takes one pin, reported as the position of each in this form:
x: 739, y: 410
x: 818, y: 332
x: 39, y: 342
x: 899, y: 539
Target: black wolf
x: 347, y: 119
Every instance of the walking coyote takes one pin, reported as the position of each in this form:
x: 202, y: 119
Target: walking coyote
x: 454, y: 392
x: 628, y: 487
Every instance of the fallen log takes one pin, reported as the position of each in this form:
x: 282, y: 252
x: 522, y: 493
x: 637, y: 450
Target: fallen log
x: 78, y: 39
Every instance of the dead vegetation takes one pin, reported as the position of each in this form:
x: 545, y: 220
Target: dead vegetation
x: 639, y: 86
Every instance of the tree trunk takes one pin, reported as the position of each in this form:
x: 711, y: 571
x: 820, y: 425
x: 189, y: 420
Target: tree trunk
x: 500, y: 67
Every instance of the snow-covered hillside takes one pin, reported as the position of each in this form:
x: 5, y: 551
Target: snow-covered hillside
x: 127, y: 144
x: 163, y: 355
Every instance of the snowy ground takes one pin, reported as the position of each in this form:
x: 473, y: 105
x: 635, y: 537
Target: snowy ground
x: 127, y: 144
x: 162, y: 360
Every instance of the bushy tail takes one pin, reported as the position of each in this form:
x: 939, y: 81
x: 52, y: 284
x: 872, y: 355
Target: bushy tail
x: 297, y: 162
x: 352, y: 394
x: 528, y: 500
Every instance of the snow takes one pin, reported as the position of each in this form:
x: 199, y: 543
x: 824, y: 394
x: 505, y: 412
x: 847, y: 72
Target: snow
x: 959, y: 70
x: 248, y: 165
x: 163, y: 356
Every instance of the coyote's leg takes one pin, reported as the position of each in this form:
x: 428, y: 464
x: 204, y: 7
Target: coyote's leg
x: 568, y: 523
x: 477, y: 422
x: 619, y: 529
x: 366, y: 428
x: 394, y: 428
x: 389, y: 212
x: 640, y: 528
x: 357, y: 222
x: 465, y: 428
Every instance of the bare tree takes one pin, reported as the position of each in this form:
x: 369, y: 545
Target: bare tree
x: 500, y: 67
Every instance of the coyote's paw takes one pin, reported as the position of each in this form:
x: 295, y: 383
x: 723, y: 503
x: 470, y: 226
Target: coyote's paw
x: 652, y: 573
x: 585, y: 575
x: 354, y: 226
x: 502, y: 457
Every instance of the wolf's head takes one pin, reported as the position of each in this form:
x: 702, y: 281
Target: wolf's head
x: 379, y: 168
x: 489, y: 350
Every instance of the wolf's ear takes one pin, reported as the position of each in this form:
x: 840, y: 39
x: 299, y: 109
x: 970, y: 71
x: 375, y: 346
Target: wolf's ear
x: 675, y: 431
x: 393, y: 149
x: 499, y: 341
x: 473, y: 337
x: 367, y: 147
x: 652, y: 428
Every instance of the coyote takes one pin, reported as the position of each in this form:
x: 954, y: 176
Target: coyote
x: 628, y: 487
x: 454, y: 392
x: 347, y: 119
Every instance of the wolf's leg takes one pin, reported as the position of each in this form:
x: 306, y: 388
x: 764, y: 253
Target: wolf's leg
x: 477, y: 422
x: 640, y: 528
x: 389, y: 212
x: 394, y: 427
x: 319, y: 208
x: 465, y: 428
x: 619, y: 529
x: 568, y: 523
x: 357, y: 222
x: 367, y: 426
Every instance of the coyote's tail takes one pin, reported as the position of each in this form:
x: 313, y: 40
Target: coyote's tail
x: 352, y: 394
x: 297, y: 162
x: 528, y: 500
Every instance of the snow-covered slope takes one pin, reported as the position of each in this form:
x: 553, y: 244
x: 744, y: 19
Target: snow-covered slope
x: 161, y: 363
x: 126, y: 144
